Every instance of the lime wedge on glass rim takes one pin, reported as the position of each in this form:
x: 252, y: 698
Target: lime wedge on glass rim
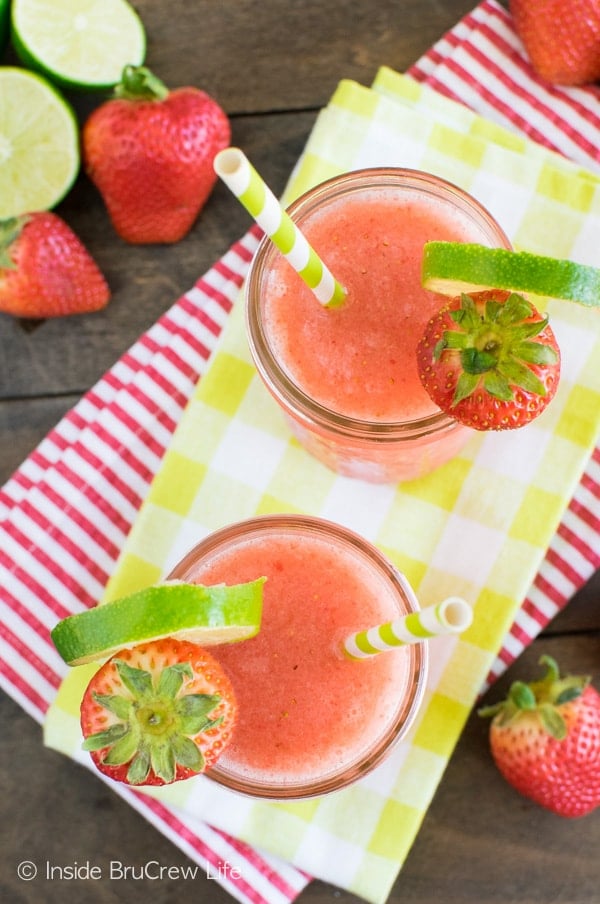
x: 39, y: 143
x: 451, y: 268
x: 82, y: 44
x: 193, y: 612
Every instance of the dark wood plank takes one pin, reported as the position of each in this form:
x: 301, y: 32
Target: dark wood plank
x: 23, y: 424
x: 281, y: 56
x: 581, y: 614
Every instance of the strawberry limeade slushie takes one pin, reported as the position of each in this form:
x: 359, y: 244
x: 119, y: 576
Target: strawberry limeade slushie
x: 309, y: 720
x: 347, y: 377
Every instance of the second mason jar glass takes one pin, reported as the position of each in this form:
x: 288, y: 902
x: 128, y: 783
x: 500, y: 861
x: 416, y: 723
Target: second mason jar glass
x: 310, y: 721
x: 346, y: 378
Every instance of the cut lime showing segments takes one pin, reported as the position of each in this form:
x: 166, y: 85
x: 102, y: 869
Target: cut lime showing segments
x: 452, y: 268
x: 39, y: 143
x: 192, y: 612
x: 78, y: 43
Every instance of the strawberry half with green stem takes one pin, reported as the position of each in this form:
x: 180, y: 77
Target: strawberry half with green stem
x: 45, y: 270
x: 545, y: 740
x: 490, y: 360
x: 149, y: 151
x: 158, y: 712
x: 561, y: 37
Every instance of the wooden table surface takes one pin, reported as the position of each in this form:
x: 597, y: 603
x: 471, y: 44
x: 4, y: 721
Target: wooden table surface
x: 271, y: 65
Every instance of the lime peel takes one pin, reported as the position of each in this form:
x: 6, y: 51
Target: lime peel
x: 452, y: 268
x: 192, y: 612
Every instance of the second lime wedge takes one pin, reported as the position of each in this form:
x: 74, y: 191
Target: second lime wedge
x: 453, y: 267
x: 78, y: 43
x: 192, y: 612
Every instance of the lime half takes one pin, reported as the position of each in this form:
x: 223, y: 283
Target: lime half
x: 39, y: 143
x: 78, y: 43
x: 192, y: 612
x: 452, y: 267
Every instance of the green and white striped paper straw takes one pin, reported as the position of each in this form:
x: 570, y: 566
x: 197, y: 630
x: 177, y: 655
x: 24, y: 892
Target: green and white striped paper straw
x: 238, y: 174
x: 451, y: 616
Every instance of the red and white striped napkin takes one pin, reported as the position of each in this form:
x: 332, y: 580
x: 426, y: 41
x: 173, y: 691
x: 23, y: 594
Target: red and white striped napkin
x: 65, y: 513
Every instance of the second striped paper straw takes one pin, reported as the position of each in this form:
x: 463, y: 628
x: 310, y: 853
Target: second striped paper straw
x: 451, y: 616
x: 236, y: 171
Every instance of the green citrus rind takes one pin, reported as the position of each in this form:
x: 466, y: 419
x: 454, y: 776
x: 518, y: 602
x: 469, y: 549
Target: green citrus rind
x: 39, y: 143
x: 78, y: 45
x: 453, y: 267
x: 192, y: 612
x: 4, y: 24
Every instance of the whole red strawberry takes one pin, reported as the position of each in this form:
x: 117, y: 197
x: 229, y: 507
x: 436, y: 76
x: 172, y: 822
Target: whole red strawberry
x: 149, y: 151
x: 45, y: 270
x: 545, y: 740
x: 561, y: 37
x: 489, y: 360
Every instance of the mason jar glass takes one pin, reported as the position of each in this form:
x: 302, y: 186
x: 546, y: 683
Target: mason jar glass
x: 310, y: 720
x: 346, y: 378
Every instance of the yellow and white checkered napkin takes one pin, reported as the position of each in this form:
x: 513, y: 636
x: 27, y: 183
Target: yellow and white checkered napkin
x: 479, y: 527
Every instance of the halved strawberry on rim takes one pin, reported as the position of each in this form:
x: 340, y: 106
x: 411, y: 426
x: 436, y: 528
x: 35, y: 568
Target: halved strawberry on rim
x: 158, y: 712
x: 490, y: 360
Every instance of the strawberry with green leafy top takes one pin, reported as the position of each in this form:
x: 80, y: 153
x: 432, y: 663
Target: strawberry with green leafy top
x: 489, y: 360
x: 150, y: 151
x: 545, y: 740
x: 45, y: 270
x: 157, y: 713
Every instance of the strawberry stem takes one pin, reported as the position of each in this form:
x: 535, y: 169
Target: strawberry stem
x: 496, y: 343
x: 543, y: 697
x: 139, y: 83
x: 10, y: 231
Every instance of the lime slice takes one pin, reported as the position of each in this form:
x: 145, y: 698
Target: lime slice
x: 39, y: 143
x: 78, y: 43
x: 192, y: 612
x: 452, y: 267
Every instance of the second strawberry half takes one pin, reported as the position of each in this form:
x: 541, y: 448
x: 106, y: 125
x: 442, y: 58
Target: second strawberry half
x: 149, y: 151
x: 490, y: 360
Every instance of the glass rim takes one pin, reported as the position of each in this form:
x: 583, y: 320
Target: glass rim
x: 411, y: 700
x: 289, y: 395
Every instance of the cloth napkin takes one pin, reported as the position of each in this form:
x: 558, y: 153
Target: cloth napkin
x: 67, y: 511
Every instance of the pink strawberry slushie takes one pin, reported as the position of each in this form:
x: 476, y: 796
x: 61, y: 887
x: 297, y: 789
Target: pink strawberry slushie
x: 347, y: 377
x: 309, y: 720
